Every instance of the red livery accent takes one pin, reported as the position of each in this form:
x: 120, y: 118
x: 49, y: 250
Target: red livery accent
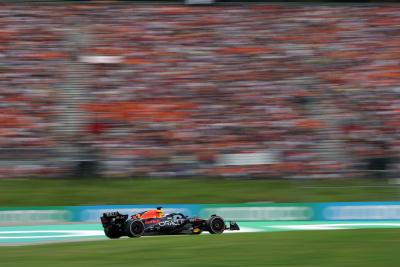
x: 151, y: 221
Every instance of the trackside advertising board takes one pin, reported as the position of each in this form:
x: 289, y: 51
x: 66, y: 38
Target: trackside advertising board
x: 260, y: 212
x: 336, y: 211
x: 35, y: 215
x: 354, y: 211
x: 238, y: 212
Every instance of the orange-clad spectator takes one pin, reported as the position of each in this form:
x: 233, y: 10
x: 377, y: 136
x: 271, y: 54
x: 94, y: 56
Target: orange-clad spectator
x: 315, y: 86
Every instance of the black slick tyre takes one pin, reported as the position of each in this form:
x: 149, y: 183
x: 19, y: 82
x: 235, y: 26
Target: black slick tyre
x: 134, y: 228
x: 215, y: 225
x: 112, y: 232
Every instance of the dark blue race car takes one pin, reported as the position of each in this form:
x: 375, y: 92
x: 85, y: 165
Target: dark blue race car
x: 116, y: 225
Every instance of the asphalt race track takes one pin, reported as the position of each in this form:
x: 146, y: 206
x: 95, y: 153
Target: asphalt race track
x: 37, y: 234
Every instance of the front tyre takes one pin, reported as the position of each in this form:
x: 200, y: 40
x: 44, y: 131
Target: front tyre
x: 134, y: 228
x: 215, y: 225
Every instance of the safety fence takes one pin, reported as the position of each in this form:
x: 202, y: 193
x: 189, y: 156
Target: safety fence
x: 335, y: 211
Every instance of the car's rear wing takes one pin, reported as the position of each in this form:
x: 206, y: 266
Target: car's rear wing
x: 113, y: 217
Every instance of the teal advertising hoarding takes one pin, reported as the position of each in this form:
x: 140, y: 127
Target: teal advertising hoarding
x: 335, y: 211
x: 356, y: 211
x: 260, y: 212
x: 35, y: 215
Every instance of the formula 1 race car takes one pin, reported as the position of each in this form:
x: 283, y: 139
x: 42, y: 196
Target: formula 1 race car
x: 116, y: 225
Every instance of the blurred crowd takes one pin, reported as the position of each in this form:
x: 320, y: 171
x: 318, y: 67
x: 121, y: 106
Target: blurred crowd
x: 232, y: 90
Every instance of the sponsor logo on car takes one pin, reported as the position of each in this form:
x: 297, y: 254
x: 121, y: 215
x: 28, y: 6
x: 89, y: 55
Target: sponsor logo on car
x: 170, y: 223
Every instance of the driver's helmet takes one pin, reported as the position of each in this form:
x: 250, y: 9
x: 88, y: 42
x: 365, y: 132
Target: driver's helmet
x: 160, y: 212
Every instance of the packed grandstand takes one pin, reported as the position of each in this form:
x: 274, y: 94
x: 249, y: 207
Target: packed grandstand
x: 166, y: 90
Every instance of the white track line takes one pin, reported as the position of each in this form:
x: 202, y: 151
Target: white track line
x: 57, y: 234
x: 333, y: 226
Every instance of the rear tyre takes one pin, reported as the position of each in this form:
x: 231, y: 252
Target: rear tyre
x: 215, y: 225
x: 112, y: 232
x: 134, y: 228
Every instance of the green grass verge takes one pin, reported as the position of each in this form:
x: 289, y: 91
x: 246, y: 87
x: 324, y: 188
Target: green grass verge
x: 362, y: 248
x: 166, y: 191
